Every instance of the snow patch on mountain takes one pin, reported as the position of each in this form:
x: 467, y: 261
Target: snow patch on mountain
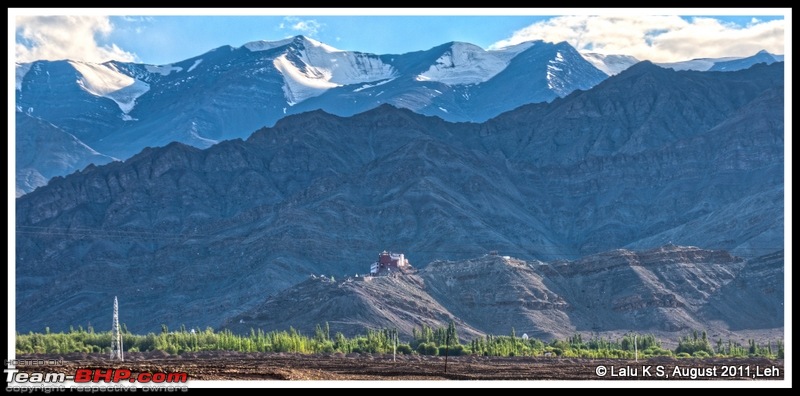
x: 262, y: 45
x: 508, y: 53
x: 365, y: 86
x: 300, y: 85
x: 465, y: 64
x: 724, y: 64
x: 201, y: 141
x: 553, y: 82
x: 312, y: 68
x: 550, y: 78
x: 106, y: 81
x: 610, y: 64
x: 22, y: 69
x: 344, y: 67
x: 702, y: 64
x: 197, y: 62
x: 163, y: 70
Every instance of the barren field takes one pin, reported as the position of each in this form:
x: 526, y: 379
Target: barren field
x: 280, y: 366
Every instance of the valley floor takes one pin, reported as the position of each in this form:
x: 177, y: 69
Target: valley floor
x: 337, y: 367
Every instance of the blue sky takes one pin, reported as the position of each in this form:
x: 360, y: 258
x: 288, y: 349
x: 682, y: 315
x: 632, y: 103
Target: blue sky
x: 375, y: 34
x: 159, y: 39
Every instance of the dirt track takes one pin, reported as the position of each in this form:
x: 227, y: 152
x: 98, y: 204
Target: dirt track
x: 280, y: 366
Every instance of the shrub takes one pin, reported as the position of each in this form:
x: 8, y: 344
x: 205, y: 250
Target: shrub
x: 404, y: 349
x: 454, y: 350
x: 656, y: 351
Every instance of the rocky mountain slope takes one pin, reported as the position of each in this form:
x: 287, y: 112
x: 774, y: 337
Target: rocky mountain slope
x: 184, y: 235
x: 350, y: 306
x: 611, y: 64
x: 45, y: 151
x: 670, y: 290
x: 724, y: 64
x: 118, y: 109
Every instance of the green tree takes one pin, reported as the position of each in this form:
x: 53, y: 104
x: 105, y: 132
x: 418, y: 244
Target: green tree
x: 452, y: 335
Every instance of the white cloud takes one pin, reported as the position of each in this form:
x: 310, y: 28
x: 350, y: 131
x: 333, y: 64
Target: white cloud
x: 656, y: 38
x: 66, y: 37
x: 137, y: 19
x: 309, y: 27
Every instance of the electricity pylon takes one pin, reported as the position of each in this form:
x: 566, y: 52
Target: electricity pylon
x: 116, y: 337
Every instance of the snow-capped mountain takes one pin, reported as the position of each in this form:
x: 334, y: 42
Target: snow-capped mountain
x: 310, y: 68
x: 117, y: 108
x: 610, y: 64
x: 614, y: 64
x: 724, y: 64
x: 462, y: 82
x: 647, y: 157
x: 465, y: 64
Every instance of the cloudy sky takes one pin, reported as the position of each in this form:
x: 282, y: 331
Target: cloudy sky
x: 158, y: 37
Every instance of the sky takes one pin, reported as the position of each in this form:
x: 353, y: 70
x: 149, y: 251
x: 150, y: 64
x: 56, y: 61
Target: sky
x: 157, y: 36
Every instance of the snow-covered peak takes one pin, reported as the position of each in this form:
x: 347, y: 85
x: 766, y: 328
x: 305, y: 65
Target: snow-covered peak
x: 262, y: 45
x: 511, y: 51
x: 315, y: 43
x: 701, y: 64
x: 107, y: 81
x: 465, y: 63
x: 610, y: 64
x: 21, y: 69
x: 723, y: 64
x: 311, y: 68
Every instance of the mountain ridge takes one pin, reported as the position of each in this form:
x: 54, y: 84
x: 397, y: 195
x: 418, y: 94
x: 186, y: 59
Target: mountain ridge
x: 669, y: 290
x: 119, y: 108
x: 317, y: 193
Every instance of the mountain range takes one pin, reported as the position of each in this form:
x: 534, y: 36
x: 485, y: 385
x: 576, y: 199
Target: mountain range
x: 113, y: 110
x: 195, y: 236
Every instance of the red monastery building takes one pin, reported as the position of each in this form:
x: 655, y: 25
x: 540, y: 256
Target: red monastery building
x: 389, y: 262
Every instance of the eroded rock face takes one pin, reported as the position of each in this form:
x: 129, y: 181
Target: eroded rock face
x: 193, y: 236
x: 668, y: 290
x: 661, y: 289
x: 350, y: 306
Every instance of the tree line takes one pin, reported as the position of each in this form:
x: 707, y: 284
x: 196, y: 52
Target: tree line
x: 425, y: 340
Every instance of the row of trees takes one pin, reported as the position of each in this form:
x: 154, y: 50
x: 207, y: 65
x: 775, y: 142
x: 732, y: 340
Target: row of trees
x: 699, y: 345
x: 425, y: 340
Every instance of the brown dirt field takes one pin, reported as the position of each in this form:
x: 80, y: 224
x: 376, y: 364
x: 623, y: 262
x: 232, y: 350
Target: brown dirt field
x: 286, y: 366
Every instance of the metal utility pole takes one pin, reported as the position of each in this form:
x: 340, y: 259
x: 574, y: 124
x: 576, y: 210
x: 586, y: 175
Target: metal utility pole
x: 116, y: 337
